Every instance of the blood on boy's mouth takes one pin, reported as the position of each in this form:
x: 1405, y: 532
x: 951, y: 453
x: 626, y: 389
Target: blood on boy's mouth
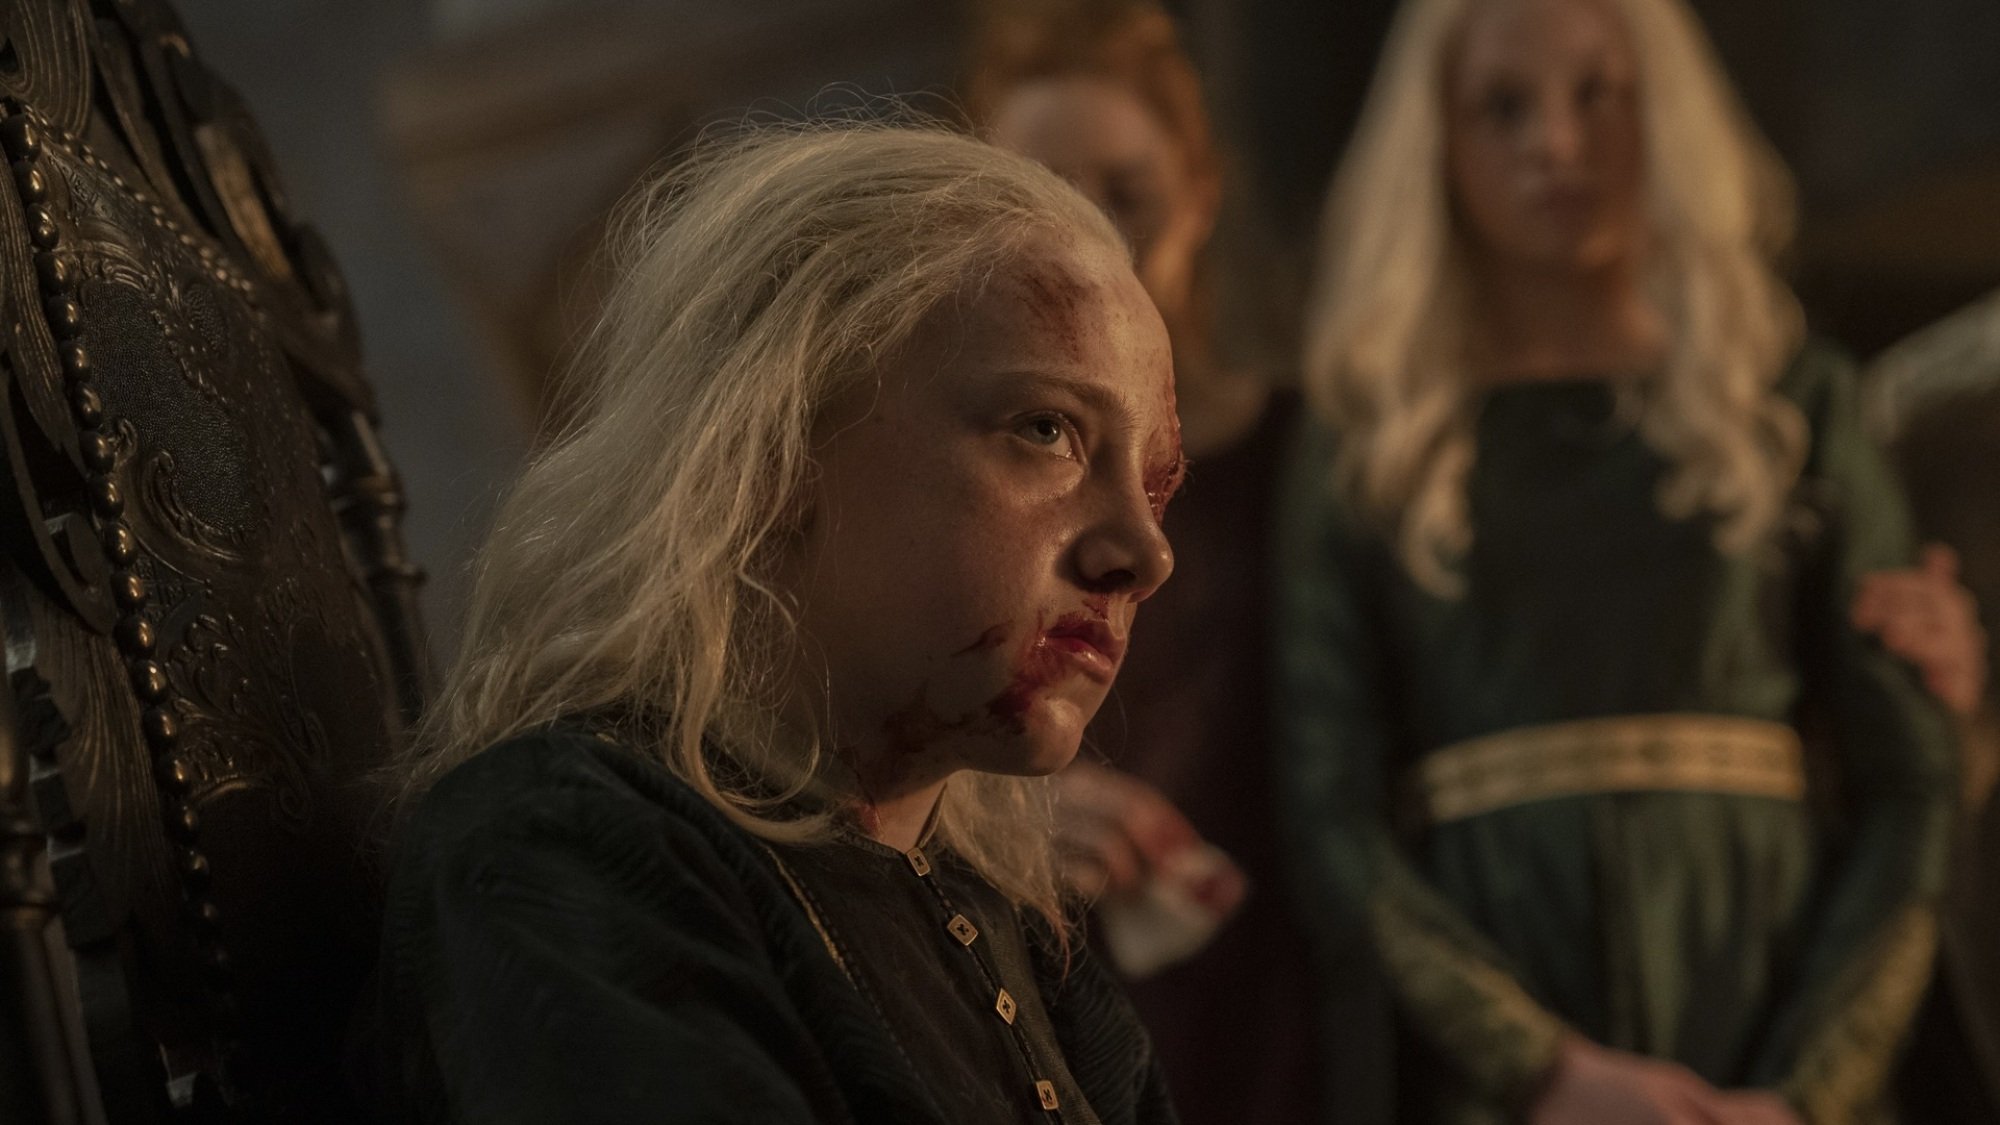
x: 1090, y: 637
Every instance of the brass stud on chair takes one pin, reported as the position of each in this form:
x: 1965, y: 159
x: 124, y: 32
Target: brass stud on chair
x: 54, y: 270
x: 64, y: 315
x: 130, y: 590
x: 75, y: 360
x: 136, y: 635
x: 149, y: 680
x: 21, y: 139
x: 30, y: 183
x: 160, y: 726
x: 105, y: 498
x: 98, y: 452
x: 42, y: 228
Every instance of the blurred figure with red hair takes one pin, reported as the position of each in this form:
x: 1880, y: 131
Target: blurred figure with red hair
x: 1103, y: 92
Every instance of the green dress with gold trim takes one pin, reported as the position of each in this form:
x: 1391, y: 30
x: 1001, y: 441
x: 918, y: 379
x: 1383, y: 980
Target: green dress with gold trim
x: 1760, y: 938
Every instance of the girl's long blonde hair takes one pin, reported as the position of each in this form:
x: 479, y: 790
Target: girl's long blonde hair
x: 1386, y: 353
x: 628, y: 570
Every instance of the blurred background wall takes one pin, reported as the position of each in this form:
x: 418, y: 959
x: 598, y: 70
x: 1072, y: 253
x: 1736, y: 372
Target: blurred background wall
x: 311, y: 71
x: 459, y: 156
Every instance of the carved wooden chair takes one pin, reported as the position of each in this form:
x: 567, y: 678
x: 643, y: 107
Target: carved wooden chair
x: 210, y: 625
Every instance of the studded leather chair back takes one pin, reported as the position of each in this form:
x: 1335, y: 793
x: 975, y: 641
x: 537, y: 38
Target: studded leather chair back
x: 209, y: 622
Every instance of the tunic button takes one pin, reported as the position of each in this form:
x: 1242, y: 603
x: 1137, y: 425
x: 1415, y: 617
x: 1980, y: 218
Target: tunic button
x: 918, y: 863
x: 963, y: 930
x: 1004, y: 1004
x: 1046, y: 1091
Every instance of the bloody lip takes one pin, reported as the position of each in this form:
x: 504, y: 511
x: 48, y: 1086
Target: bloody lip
x: 1089, y: 641
x: 1077, y: 642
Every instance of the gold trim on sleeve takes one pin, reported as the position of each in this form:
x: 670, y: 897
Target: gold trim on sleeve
x: 1845, y: 1068
x: 1504, y: 1041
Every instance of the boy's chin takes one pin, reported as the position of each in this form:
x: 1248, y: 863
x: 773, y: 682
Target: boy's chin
x: 1039, y: 740
x: 1034, y: 752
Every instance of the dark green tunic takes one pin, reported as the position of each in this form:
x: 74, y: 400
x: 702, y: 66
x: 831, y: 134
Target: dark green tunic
x: 1743, y: 936
x: 573, y: 935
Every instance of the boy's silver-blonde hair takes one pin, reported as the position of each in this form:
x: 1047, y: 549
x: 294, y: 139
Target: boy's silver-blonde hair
x: 1386, y: 353
x: 629, y: 569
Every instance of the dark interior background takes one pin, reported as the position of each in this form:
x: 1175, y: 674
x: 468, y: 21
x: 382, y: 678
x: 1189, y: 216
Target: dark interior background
x: 458, y: 154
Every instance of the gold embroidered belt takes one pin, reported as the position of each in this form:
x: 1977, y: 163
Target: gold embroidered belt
x: 1622, y: 754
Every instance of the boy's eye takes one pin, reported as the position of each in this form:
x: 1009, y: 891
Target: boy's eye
x: 1048, y: 431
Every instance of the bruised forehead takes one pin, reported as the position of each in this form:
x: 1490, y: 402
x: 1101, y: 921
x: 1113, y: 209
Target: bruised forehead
x: 1068, y: 296
x: 1075, y: 309
x: 1061, y: 304
x: 1070, y: 311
